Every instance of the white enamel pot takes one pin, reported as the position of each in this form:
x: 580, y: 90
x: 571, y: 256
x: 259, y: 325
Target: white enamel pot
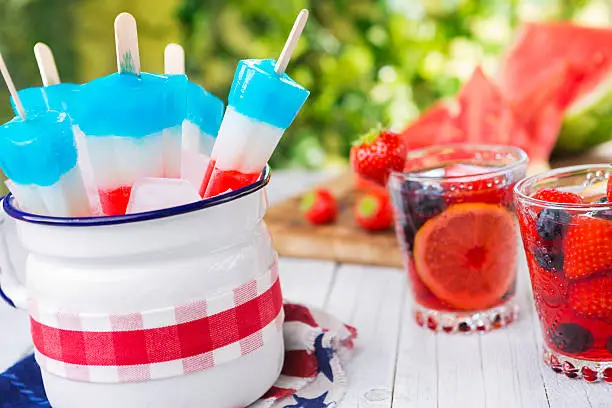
x: 82, y: 273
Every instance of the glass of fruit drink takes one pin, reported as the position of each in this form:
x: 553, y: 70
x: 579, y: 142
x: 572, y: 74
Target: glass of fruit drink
x: 456, y: 227
x: 566, y: 225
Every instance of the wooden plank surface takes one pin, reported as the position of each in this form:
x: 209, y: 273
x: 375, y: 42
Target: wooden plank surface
x: 511, y: 358
x: 500, y: 369
x: 371, y: 299
x: 308, y: 283
x: 342, y: 241
x: 416, y: 375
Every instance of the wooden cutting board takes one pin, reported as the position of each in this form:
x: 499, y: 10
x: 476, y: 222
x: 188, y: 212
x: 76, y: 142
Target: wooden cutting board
x: 343, y: 241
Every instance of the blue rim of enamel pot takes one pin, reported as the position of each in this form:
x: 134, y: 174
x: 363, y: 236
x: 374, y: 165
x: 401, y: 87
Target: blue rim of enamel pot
x: 20, y: 215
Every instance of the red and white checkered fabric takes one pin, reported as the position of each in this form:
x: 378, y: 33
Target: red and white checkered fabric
x: 141, y: 346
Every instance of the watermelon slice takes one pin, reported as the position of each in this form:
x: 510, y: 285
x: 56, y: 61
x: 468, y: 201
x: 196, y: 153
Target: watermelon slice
x: 557, y: 67
x: 541, y: 113
x: 482, y: 116
x: 435, y: 126
x: 541, y: 50
x: 556, y: 81
x: 485, y: 116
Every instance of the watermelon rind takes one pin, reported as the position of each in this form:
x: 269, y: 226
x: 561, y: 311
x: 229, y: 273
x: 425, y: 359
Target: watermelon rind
x: 588, y: 121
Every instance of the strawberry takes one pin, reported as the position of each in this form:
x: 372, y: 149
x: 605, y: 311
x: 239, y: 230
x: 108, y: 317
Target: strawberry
x: 319, y: 206
x: 609, y: 193
x: 587, y: 247
x: 377, y: 154
x: 373, y: 212
x: 555, y: 196
x: 366, y: 186
x: 591, y: 298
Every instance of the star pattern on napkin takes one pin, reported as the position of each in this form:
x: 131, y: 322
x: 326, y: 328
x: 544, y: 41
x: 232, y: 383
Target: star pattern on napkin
x: 317, y: 402
x: 324, y: 356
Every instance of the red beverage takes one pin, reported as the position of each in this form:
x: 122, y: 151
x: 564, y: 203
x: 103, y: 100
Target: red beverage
x: 455, y: 224
x: 567, y: 235
x: 217, y: 181
x: 115, y: 201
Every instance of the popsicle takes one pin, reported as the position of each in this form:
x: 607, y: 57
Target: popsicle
x: 53, y: 95
x: 57, y: 96
x: 132, y: 122
x: 39, y: 156
x: 204, y: 112
x: 262, y: 103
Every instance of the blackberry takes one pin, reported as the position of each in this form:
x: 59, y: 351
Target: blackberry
x: 404, y: 196
x: 549, y: 258
x: 551, y: 223
x: 411, y: 185
x: 428, y: 202
x: 409, y: 234
x: 571, y: 338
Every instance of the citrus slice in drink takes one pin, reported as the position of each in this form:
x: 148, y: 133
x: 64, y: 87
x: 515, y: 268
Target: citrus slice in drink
x: 467, y: 255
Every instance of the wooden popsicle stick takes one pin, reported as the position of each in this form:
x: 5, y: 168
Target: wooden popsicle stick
x: 126, y: 44
x: 174, y: 59
x: 46, y: 64
x: 294, y: 36
x: 11, y: 87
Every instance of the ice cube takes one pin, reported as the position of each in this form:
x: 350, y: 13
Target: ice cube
x: 459, y: 170
x: 193, y: 167
x: 434, y: 173
x: 150, y: 194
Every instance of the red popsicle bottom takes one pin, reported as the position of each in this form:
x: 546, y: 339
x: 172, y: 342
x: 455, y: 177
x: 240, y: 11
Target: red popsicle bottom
x: 115, y: 201
x: 217, y: 181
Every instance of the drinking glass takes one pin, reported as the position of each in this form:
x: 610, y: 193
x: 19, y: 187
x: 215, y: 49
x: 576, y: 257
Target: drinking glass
x: 569, y: 254
x: 457, y: 230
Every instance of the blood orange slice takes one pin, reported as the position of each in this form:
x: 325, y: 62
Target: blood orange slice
x: 467, y: 255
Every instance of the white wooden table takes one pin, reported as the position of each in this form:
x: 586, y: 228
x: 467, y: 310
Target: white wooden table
x: 397, y: 364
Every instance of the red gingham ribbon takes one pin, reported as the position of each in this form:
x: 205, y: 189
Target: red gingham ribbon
x: 159, y: 343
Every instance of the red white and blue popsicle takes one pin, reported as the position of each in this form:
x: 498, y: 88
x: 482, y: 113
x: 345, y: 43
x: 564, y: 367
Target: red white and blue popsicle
x: 39, y: 156
x: 204, y: 112
x: 132, y: 122
x: 263, y: 102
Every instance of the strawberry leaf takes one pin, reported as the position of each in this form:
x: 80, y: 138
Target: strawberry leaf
x: 368, y: 206
x: 308, y: 201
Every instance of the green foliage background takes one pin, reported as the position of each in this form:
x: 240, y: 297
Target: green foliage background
x: 365, y: 61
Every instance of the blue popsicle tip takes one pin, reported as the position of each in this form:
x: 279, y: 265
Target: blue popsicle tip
x: 38, y: 150
x: 131, y: 106
x: 261, y: 94
x: 204, y: 109
x: 40, y: 99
